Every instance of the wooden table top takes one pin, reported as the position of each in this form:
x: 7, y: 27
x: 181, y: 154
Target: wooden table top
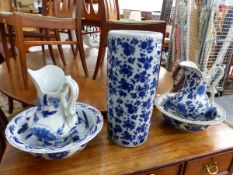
x: 93, y: 92
x: 165, y: 145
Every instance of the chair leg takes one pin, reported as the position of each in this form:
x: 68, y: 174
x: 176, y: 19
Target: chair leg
x: 51, y: 49
x: 21, y: 48
x: 24, y: 105
x: 11, y: 105
x: 71, y: 39
x: 3, y: 119
x: 41, y: 31
x: 3, y: 124
x: 5, y: 48
x: 101, y: 53
x: 81, y: 52
x: 58, y: 38
x: 102, y: 61
x: 52, y: 54
x: 2, y: 59
x: 11, y: 40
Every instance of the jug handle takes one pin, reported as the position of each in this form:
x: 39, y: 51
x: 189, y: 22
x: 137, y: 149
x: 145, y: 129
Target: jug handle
x: 216, y: 73
x: 74, y: 89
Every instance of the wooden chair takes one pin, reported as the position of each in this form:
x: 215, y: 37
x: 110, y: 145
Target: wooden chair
x: 33, y: 34
x: 60, y: 20
x: 47, y: 10
x: 6, y: 18
x: 107, y: 17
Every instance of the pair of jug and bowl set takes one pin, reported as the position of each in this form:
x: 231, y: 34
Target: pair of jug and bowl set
x: 59, y: 127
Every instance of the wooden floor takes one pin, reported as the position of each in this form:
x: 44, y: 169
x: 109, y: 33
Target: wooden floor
x: 93, y: 92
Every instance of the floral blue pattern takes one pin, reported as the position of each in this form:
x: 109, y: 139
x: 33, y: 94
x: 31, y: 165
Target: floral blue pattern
x: 184, y: 126
x: 133, y: 65
x: 58, y: 155
x: 46, y: 107
x: 89, y: 124
x: 191, y: 102
x: 171, y: 116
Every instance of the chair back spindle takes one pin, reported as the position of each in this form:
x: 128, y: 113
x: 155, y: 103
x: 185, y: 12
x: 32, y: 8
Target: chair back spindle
x: 63, y: 9
x: 58, y: 8
x: 93, y: 10
x: 112, y: 9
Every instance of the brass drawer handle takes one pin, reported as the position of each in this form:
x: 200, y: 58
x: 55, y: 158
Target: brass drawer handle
x: 212, y: 168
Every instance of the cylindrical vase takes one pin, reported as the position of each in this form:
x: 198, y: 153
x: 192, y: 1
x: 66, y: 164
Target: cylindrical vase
x: 133, y: 67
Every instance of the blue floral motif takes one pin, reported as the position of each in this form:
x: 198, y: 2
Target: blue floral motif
x: 58, y: 155
x: 47, y: 113
x: 128, y: 49
x: 128, y: 124
x: 132, y: 74
x: 23, y: 128
x: 55, y: 102
x: 191, y: 102
x: 126, y: 70
x: 60, y: 130
x: 12, y: 128
x: 201, y: 90
x: 35, y: 118
x: 39, y: 105
x: 185, y: 126
x: 117, y: 129
x: 28, y: 136
x: 17, y: 140
x: 125, y: 85
x: 131, y: 109
x: 43, y: 133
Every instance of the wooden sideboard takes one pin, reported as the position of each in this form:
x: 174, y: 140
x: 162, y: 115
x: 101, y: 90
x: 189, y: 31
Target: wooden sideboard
x: 166, y: 152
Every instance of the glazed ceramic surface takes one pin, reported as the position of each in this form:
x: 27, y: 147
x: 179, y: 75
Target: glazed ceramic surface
x: 133, y: 66
x: 192, y: 102
x: 55, y: 114
x: 89, y: 124
x: 173, y: 118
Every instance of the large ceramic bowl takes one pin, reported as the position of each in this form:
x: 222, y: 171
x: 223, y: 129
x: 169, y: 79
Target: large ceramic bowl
x: 18, y: 134
x: 172, y: 117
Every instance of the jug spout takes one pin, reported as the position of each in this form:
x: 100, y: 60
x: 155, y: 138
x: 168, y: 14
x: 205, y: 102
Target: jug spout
x: 35, y: 79
x: 43, y: 77
x: 191, y: 66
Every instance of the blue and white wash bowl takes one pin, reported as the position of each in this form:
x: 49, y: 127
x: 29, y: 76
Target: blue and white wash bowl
x: 174, y: 119
x: 89, y: 124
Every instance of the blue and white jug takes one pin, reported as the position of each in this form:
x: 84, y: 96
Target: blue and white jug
x: 191, y: 101
x: 55, y: 115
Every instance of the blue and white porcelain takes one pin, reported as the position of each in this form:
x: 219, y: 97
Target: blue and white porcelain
x: 133, y: 66
x: 55, y: 114
x: 191, y: 102
x: 184, y: 124
x: 89, y: 124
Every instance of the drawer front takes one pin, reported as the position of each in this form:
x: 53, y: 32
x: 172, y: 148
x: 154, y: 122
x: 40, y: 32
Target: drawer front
x: 170, y: 170
x: 220, y: 163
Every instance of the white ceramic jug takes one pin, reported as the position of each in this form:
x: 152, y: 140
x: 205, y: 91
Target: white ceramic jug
x: 55, y: 115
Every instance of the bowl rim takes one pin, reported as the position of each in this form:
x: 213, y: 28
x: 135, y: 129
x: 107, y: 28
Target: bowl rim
x: 69, y: 146
x: 220, y: 110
